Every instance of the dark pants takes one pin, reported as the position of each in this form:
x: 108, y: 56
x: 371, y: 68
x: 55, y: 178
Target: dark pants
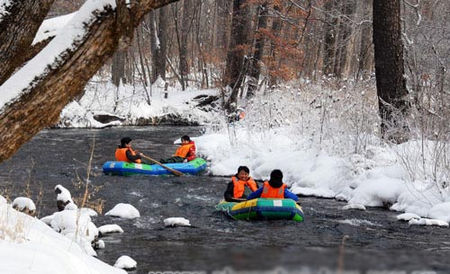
x: 174, y: 159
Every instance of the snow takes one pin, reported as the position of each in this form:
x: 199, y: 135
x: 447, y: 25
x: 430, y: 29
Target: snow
x: 123, y: 210
x: 354, y: 206
x: 63, y: 195
x: 50, y: 27
x: 428, y: 222
x: 407, y: 216
x: 72, y: 33
x: 131, y: 105
x: 125, y: 262
x: 358, y: 222
x: 112, y: 228
x: 21, y: 203
x: 176, y: 221
x: 440, y: 211
x: 30, y: 246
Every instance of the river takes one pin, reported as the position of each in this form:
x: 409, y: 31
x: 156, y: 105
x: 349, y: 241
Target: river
x: 330, y: 239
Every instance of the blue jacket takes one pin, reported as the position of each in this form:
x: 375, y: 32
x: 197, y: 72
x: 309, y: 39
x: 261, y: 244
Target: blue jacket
x: 287, y: 194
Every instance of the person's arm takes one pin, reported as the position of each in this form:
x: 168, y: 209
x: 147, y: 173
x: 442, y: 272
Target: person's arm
x: 191, y: 153
x: 255, y: 194
x: 132, y: 157
x: 290, y: 195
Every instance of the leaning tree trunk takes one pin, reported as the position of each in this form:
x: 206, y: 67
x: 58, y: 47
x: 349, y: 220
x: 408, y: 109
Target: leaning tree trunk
x: 18, y: 25
x: 40, y: 103
x: 389, y: 70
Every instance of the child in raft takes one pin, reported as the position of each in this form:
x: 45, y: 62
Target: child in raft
x: 236, y: 188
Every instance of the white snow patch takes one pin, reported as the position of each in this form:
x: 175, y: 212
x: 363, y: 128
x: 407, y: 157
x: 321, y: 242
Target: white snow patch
x: 354, y: 206
x: 112, y: 228
x: 20, y: 203
x: 50, y: 27
x: 176, y: 221
x: 125, y: 262
x: 407, y: 216
x: 440, y: 211
x: 428, y: 222
x: 125, y: 211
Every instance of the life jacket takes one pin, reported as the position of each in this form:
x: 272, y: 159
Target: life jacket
x: 183, y: 150
x: 239, y: 186
x: 271, y: 192
x: 121, y: 155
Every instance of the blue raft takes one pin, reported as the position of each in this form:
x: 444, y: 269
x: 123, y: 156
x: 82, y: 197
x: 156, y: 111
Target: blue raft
x: 124, y: 168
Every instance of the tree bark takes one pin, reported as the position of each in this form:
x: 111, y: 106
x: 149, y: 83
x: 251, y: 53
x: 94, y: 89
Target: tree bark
x: 118, y: 67
x: 18, y: 26
x: 255, y: 66
x: 39, y: 105
x: 389, y: 68
x: 186, y: 22
x: 235, y: 67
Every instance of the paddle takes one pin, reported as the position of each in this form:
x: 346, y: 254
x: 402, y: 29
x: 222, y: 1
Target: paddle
x: 176, y: 172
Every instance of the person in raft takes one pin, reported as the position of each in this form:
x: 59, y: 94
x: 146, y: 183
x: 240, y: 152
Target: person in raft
x: 184, y: 153
x: 274, y: 188
x: 236, y: 188
x: 125, y: 153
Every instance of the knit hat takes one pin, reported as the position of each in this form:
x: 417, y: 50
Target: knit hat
x: 276, y: 178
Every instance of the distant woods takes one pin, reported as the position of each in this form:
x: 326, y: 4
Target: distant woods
x: 239, y: 46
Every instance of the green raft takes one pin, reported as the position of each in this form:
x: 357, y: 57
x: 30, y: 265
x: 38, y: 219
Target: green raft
x: 263, y: 209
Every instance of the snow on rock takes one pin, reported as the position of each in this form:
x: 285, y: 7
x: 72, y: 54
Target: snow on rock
x: 30, y: 246
x: 24, y: 204
x: 125, y: 262
x: 407, y: 216
x: 354, y: 206
x: 428, y: 222
x: 125, y: 211
x: 76, y: 225
x: 89, y: 211
x: 440, y: 211
x: 100, y: 244
x: 64, y: 198
x: 112, y: 228
x: 176, y: 221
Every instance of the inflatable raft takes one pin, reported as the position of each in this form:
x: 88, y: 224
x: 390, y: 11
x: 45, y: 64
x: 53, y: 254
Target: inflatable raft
x: 263, y: 209
x: 124, y: 168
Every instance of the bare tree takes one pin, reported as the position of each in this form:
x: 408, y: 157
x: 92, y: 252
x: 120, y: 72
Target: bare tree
x: 389, y: 70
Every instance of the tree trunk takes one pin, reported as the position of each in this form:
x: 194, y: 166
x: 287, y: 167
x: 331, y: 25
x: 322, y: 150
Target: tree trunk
x: 389, y: 70
x: 235, y: 68
x: 331, y: 26
x: 39, y: 104
x: 19, y: 23
x: 274, y: 47
x: 185, y: 28
x: 118, y: 67
x: 365, y: 64
x: 255, y: 66
x: 222, y: 29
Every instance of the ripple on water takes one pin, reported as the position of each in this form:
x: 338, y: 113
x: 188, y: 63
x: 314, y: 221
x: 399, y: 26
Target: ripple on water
x: 357, y: 222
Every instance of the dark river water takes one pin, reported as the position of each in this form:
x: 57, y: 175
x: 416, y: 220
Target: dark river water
x: 330, y: 240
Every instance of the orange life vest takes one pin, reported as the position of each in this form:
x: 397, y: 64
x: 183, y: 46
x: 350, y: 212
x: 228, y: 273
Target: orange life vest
x: 121, y: 155
x: 239, y: 186
x: 271, y: 192
x: 183, y: 150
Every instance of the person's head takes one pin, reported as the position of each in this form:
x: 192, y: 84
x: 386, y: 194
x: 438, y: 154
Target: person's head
x: 185, y: 139
x: 243, y: 173
x: 276, y: 178
x: 124, y: 142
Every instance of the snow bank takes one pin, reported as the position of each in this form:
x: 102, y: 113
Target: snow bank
x: 125, y: 262
x: 113, y: 228
x: 30, y: 246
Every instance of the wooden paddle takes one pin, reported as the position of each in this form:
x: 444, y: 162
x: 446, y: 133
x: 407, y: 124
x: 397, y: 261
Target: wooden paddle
x: 176, y: 172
